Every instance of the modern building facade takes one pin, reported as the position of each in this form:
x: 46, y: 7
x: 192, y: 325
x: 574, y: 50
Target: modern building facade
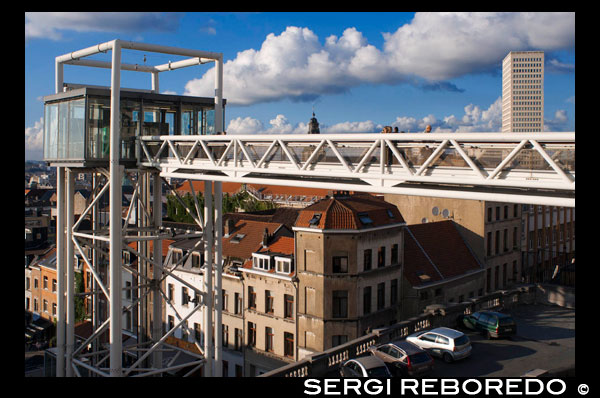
x: 523, y: 91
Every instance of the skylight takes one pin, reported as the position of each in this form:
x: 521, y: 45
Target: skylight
x: 237, y: 238
x: 390, y: 213
x: 314, y: 221
x: 364, y: 218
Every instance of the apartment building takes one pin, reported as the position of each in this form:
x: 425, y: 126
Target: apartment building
x: 523, y: 91
x: 492, y: 230
x: 548, y: 240
x: 349, y: 255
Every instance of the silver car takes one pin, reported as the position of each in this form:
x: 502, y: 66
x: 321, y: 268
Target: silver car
x: 368, y: 366
x: 446, y: 343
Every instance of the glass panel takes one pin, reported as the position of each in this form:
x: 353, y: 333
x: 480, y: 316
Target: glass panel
x: 129, y: 127
x: 210, y: 121
x: 50, y: 131
x: 63, y: 123
x: 187, y: 122
x: 98, y: 128
x: 76, y: 129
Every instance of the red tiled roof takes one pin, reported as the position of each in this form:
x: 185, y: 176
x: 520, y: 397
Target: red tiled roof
x: 436, y: 250
x: 343, y: 213
x: 281, y: 244
x: 253, y: 231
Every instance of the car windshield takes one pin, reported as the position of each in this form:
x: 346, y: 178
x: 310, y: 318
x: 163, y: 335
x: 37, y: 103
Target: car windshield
x: 506, y: 321
x: 462, y: 340
x: 419, y: 358
x: 380, y: 371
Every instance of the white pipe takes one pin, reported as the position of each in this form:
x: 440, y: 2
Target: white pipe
x: 208, y: 280
x: 70, y: 329
x: 58, y: 76
x: 168, y: 50
x: 219, y: 94
x: 218, y: 204
x: 98, y: 48
x: 155, y: 86
x: 60, y: 271
x: 115, y: 216
x: 181, y: 64
x: 107, y: 65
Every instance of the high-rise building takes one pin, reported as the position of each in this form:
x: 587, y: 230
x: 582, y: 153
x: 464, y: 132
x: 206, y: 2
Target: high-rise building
x: 523, y: 91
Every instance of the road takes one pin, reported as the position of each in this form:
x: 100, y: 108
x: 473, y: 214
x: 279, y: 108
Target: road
x: 545, y: 340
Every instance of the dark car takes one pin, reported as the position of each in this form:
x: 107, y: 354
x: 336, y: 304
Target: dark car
x: 491, y: 323
x: 404, y: 358
x: 368, y: 366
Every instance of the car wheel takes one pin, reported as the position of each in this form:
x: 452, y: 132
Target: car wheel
x: 447, y: 358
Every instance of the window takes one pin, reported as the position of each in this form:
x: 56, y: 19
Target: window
x: 505, y: 240
x: 53, y: 285
x: 251, y: 298
x: 338, y: 339
x: 367, y: 300
x: 489, y: 214
x: 288, y: 309
x: 340, y: 303
x: 184, y: 330
x: 288, y: 344
x: 505, y: 212
x: 340, y: 265
x: 367, y: 259
x: 35, y: 305
x: 283, y: 265
x: 380, y: 296
x: 251, y: 334
x: 365, y: 219
x: 497, y: 242
x: 238, y: 304
x: 238, y: 339
x: 197, y: 332
x: 171, y: 289
x: 394, y: 259
x: 394, y: 292
x: 497, y: 213
x: 263, y: 263
x: 314, y: 221
x: 45, y: 283
x: 224, y: 300
x: 225, y: 368
x: 269, y: 302
x: 128, y: 290
x: 184, y: 296
x: 381, y: 257
x: 268, y: 339
x: 516, y: 211
x: 171, y: 322
x: 53, y: 309
x: 515, y: 236
x: 195, y: 260
x: 45, y: 306
x: 225, y: 335
x: 28, y: 283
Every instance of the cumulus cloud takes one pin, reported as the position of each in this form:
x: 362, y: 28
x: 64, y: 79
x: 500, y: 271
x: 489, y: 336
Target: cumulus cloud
x: 428, y: 51
x: 34, y: 140
x: 49, y: 25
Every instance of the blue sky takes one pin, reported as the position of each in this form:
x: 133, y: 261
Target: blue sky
x: 358, y: 71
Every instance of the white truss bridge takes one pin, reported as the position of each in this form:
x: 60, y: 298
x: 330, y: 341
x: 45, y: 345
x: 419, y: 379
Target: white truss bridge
x: 536, y: 168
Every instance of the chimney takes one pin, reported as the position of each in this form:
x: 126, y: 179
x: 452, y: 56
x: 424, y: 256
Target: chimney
x: 265, y: 241
x: 228, y: 227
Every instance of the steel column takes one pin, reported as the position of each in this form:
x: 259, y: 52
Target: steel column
x: 207, y: 234
x: 115, y: 312
x: 60, y: 271
x: 218, y: 204
x: 70, y: 256
x: 157, y: 269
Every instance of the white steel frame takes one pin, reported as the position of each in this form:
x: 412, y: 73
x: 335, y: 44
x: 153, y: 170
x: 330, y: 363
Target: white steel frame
x: 70, y: 359
x: 360, y: 162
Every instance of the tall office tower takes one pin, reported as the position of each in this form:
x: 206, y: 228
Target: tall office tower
x: 523, y: 91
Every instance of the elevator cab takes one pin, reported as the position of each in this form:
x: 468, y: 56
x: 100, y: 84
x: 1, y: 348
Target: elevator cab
x: 77, y: 123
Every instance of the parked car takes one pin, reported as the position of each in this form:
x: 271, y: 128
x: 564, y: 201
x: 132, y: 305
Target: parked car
x: 491, y: 323
x: 448, y: 344
x: 367, y: 366
x: 404, y: 358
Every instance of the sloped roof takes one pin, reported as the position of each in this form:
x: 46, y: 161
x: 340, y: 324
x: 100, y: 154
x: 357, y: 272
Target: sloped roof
x: 348, y: 212
x: 253, y: 234
x: 436, y: 251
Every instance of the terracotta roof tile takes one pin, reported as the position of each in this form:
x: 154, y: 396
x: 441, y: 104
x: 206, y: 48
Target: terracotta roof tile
x: 347, y: 213
x: 253, y: 234
x: 436, y: 250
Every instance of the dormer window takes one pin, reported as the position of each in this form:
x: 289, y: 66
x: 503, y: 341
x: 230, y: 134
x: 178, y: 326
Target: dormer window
x: 390, y: 213
x: 261, y: 262
x: 364, y: 218
x: 283, y: 265
x: 237, y: 238
x: 314, y: 221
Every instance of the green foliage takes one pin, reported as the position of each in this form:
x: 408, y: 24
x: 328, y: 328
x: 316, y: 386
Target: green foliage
x: 80, y: 313
x: 241, y: 201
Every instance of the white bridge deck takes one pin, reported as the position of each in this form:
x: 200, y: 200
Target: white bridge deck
x: 536, y: 168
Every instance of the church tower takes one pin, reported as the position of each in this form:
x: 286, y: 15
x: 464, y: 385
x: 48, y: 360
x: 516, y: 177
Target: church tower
x: 313, y: 126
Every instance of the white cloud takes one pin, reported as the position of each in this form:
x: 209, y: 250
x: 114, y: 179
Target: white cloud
x: 433, y: 46
x: 34, y: 140
x: 49, y: 25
